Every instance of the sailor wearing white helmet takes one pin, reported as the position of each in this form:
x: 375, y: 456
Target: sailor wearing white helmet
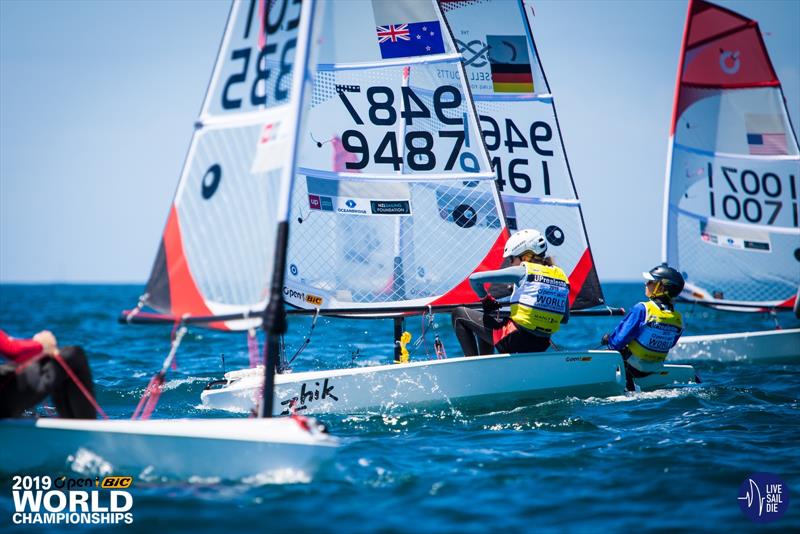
x: 539, y: 301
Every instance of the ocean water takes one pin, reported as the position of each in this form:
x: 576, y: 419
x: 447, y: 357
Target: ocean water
x: 668, y: 459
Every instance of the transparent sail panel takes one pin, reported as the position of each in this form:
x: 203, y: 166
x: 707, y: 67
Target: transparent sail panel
x: 256, y: 59
x: 520, y: 130
x: 392, y: 170
x: 364, y: 243
x: 732, y: 202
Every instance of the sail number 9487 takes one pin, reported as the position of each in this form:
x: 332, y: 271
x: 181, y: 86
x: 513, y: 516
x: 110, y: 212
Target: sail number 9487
x: 419, y: 144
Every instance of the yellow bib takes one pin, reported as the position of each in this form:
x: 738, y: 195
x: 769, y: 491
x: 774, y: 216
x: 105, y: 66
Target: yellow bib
x: 660, y: 332
x: 539, y: 302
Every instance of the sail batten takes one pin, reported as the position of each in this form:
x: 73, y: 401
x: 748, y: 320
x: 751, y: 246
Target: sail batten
x: 731, y: 207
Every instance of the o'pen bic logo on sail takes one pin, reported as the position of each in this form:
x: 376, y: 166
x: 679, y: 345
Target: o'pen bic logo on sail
x: 763, y: 497
x: 46, y: 500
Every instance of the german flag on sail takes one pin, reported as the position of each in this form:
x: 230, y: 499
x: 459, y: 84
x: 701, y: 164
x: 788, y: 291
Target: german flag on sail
x: 510, y: 64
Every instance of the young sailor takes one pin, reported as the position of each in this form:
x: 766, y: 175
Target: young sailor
x: 651, y: 328
x: 539, y: 301
x: 34, y: 373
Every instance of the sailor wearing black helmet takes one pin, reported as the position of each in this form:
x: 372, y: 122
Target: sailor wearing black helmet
x: 651, y: 328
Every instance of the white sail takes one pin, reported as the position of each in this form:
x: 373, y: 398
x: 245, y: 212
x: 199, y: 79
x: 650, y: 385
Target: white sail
x: 520, y: 128
x: 394, y: 203
x: 217, y: 249
x: 731, y: 206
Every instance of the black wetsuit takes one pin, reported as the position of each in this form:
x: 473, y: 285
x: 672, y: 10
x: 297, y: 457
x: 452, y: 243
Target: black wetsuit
x: 36, y: 380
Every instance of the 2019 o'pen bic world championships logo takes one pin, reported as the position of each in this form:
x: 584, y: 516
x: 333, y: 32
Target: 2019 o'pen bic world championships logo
x: 763, y: 497
x: 46, y: 500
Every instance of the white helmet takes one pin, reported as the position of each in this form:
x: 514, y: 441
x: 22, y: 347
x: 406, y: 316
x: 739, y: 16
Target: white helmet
x: 525, y: 240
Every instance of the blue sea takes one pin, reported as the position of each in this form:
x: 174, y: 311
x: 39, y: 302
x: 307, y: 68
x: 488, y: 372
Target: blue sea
x: 670, y: 459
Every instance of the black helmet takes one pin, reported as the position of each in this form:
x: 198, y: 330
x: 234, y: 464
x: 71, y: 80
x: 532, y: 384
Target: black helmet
x: 671, y: 279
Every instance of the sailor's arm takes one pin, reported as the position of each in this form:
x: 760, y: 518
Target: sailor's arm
x: 509, y: 275
x: 19, y: 350
x: 628, y: 328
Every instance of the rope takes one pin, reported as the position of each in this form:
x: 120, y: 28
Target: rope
x: 252, y: 348
x: 67, y: 369
x: 306, y: 341
x: 138, y: 308
x: 147, y: 404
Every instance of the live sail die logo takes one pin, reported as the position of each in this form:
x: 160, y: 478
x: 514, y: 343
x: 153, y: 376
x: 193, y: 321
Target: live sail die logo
x: 763, y: 497
x: 61, y: 500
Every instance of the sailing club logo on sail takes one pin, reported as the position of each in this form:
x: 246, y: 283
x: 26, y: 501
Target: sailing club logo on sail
x: 46, y: 500
x: 308, y: 394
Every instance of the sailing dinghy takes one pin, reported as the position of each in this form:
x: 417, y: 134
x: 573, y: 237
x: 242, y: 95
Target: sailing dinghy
x: 216, y: 255
x: 394, y: 168
x: 731, y: 204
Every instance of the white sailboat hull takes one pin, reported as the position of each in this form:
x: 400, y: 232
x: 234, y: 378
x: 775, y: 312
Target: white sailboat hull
x: 768, y: 346
x: 229, y: 449
x: 479, y: 381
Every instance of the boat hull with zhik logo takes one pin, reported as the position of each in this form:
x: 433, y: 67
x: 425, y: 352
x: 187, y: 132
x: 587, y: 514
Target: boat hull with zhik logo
x: 478, y: 382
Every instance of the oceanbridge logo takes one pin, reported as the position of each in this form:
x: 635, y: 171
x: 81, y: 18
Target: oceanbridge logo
x: 45, y: 500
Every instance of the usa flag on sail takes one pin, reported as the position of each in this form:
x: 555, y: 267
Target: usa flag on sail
x: 766, y: 135
x: 407, y: 28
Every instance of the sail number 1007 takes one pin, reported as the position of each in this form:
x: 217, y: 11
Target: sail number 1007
x: 747, y: 196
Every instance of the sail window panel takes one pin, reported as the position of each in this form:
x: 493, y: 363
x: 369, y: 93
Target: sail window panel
x: 227, y: 217
x: 562, y: 226
x: 741, y: 121
x: 386, y: 243
x: 256, y: 60
x: 370, y: 31
x: 392, y: 120
x: 735, y: 263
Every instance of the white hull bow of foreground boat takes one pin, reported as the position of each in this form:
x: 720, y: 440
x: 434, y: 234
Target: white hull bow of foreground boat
x: 230, y: 449
x: 769, y: 346
x: 479, y: 381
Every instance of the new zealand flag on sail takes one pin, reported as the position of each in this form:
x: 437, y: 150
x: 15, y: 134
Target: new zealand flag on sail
x: 411, y: 39
x: 407, y: 28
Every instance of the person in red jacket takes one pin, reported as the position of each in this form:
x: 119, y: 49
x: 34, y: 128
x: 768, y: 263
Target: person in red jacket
x: 33, y: 373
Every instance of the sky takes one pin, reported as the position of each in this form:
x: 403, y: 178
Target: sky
x: 98, y: 101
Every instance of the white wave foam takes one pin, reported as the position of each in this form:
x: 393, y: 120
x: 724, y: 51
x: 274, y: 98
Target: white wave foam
x: 87, y: 462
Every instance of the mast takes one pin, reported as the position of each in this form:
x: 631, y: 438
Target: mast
x: 274, y: 320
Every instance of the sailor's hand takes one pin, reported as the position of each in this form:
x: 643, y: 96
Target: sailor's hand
x: 604, y: 339
x: 48, y: 342
x: 490, y: 304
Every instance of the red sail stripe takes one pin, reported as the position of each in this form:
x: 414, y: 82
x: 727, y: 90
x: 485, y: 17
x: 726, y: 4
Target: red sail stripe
x: 463, y: 293
x: 578, y: 275
x: 788, y: 303
x: 183, y: 293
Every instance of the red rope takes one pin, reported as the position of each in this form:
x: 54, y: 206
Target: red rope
x: 147, y: 404
x: 57, y: 357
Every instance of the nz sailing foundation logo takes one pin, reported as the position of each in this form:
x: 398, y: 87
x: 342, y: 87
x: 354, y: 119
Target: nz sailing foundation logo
x: 46, y: 500
x: 763, y: 497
